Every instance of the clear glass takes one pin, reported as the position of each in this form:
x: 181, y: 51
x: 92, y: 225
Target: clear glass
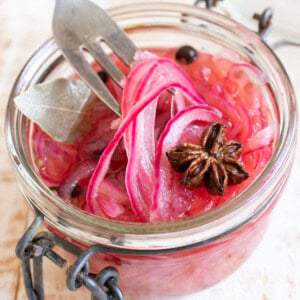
x: 183, y: 256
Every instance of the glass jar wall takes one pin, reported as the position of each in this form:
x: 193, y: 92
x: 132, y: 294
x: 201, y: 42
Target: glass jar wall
x: 183, y: 256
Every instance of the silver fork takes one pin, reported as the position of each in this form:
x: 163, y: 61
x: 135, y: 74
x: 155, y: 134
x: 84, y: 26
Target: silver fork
x: 81, y: 25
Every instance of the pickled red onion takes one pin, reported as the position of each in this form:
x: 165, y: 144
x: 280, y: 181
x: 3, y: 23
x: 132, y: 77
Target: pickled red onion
x: 139, y: 140
x: 153, y: 189
x: 162, y: 198
x: 160, y: 106
x: 111, y: 201
x: 261, y: 139
x: 169, y: 75
x: 58, y: 159
x: 82, y: 171
x: 251, y: 73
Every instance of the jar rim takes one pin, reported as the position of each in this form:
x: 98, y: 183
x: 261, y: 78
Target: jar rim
x: 192, y: 231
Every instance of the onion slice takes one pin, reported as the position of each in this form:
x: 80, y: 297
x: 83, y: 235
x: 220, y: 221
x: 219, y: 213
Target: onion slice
x: 162, y: 196
x: 83, y: 171
x: 168, y: 75
x: 111, y: 201
x: 260, y: 140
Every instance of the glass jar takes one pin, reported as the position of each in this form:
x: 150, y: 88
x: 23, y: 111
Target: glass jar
x: 187, y: 255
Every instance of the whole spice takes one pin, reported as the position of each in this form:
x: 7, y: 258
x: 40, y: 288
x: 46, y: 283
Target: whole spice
x: 186, y: 54
x: 103, y: 76
x: 214, y: 161
x: 76, y: 191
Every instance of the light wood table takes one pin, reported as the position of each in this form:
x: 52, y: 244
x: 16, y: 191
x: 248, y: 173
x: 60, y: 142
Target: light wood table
x: 273, y: 271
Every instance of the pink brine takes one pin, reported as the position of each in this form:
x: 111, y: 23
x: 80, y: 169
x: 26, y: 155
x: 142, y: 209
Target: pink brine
x: 118, y: 168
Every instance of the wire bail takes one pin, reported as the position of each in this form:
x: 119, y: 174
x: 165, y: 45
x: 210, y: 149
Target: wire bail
x: 33, y: 246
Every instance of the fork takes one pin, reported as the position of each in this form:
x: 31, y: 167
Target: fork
x: 80, y: 25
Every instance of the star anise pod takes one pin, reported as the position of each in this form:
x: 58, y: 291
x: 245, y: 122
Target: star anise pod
x: 214, y: 161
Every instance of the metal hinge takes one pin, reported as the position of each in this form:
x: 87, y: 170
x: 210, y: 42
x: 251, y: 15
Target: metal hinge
x: 33, y: 247
x: 264, y: 19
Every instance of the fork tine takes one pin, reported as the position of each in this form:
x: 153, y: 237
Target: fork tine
x: 80, y: 23
x: 105, y: 62
x: 90, y: 77
x: 121, y: 45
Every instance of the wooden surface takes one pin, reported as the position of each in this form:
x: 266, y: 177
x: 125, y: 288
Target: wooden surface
x: 273, y: 271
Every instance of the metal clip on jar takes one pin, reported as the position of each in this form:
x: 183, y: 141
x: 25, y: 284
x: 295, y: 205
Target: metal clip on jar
x: 201, y: 250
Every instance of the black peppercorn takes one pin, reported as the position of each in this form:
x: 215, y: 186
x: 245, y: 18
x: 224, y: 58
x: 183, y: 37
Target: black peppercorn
x: 76, y: 191
x: 186, y: 54
x: 103, y: 75
x: 97, y: 153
